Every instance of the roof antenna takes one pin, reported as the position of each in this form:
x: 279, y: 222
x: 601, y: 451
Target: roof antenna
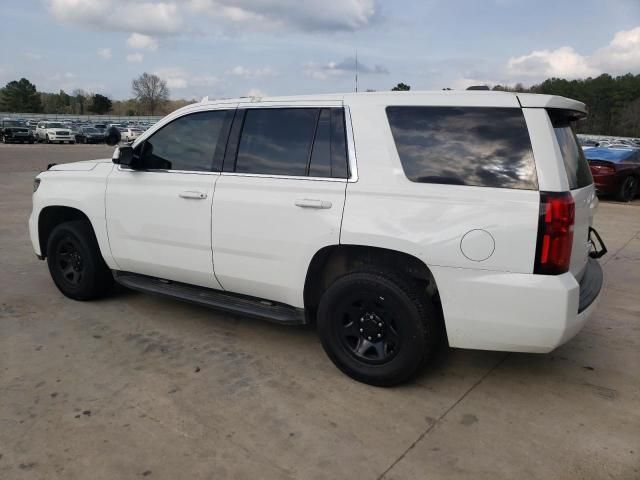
x: 356, y: 70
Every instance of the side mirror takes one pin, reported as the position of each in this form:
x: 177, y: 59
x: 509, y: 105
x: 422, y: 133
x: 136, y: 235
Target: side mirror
x: 123, y: 155
x: 112, y: 136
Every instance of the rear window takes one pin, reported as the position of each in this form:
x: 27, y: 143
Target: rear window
x: 575, y: 163
x: 479, y: 146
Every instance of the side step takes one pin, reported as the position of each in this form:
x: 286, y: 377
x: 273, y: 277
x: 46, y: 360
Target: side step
x: 229, y: 302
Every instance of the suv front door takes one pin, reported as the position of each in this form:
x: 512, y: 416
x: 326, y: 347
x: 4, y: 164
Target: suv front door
x: 159, y: 211
x: 279, y: 199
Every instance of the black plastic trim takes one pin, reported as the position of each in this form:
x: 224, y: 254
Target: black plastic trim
x: 230, y: 302
x: 591, y: 284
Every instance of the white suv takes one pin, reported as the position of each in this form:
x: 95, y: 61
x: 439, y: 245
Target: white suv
x: 391, y: 220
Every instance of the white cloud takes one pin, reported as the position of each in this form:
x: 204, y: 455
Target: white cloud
x: 255, y: 92
x: 306, y: 16
x: 33, y: 56
x: 335, y: 69
x: 135, y: 58
x: 622, y: 55
x: 140, y: 42
x: 240, y: 71
x: 144, y: 16
x: 104, y: 53
x: 563, y: 62
x: 178, y: 78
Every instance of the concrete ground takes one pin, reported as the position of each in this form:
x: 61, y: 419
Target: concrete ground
x: 138, y: 386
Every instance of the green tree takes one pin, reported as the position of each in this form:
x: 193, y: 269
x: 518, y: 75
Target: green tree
x: 401, y: 87
x: 151, y: 91
x: 100, y: 104
x: 20, y: 96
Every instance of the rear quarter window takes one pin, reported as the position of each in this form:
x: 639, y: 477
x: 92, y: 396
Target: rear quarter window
x: 478, y: 146
x: 575, y: 163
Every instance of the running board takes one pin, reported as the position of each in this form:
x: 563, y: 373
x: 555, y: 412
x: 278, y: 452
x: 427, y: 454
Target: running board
x: 229, y: 302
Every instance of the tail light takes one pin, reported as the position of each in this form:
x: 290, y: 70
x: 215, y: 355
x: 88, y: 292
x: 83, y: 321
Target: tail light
x: 555, y: 233
x: 602, y: 168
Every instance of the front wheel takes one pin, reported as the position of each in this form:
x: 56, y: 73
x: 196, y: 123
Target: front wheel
x: 75, y: 263
x: 377, y: 327
x: 628, y: 190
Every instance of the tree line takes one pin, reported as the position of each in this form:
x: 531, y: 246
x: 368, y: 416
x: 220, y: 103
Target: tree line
x: 150, y: 97
x: 613, y: 102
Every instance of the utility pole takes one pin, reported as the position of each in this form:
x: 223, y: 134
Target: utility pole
x: 356, y: 70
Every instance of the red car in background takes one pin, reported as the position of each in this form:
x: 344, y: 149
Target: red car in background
x: 616, y: 171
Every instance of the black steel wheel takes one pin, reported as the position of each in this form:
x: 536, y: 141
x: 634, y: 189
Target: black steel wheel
x: 377, y: 327
x: 629, y: 189
x: 75, y: 263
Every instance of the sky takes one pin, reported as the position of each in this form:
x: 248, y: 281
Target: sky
x: 230, y: 48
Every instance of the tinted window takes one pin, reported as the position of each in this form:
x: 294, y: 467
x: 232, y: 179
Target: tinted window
x: 488, y: 147
x: 338, y: 145
x: 188, y: 143
x: 276, y: 141
x: 576, y: 165
x: 320, y: 165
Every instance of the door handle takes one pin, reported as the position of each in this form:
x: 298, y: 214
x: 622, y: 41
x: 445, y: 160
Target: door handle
x: 193, y: 195
x: 311, y: 203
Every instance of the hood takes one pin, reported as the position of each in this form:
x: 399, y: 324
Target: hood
x: 83, y: 166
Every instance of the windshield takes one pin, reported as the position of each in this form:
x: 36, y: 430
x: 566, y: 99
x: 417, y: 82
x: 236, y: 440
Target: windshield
x: 54, y: 125
x: 90, y: 130
x: 13, y: 123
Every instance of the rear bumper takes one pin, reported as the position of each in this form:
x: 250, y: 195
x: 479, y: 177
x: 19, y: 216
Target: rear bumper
x: 515, y: 312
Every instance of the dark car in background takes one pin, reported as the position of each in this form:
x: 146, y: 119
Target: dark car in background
x: 89, y: 135
x: 616, y: 171
x: 15, y: 131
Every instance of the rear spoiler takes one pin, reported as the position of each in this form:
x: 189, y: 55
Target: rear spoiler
x: 576, y: 110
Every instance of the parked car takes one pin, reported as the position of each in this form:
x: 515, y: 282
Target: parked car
x: 387, y: 219
x: 51, y: 132
x: 616, y: 171
x: 15, y: 131
x: 100, y: 126
x: 89, y: 135
x: 130, y: 134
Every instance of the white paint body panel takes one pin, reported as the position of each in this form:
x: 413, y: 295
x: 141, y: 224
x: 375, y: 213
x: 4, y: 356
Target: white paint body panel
x: 263, y: 243
x: 154, y: 231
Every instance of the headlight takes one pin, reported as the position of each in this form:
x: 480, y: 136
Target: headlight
x: 36, y: 184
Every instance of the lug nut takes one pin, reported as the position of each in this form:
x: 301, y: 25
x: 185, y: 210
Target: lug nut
x: 368, y: 338
x: 380, y: 324
x: 379, y: 335
x: 361, y: 330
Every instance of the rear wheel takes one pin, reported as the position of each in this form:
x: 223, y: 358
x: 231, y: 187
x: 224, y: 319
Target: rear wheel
x: 75, y: 263
x: 48, y: 139
x: 377, y: 327
x: 628, y: 189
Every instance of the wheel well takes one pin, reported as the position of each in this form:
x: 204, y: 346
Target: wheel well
x: 332, y: 262
x: 50, y: 217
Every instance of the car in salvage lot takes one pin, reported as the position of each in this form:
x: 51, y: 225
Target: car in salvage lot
x: 490, y: 243
x: 15, y: 131
x: 54, y: 132
x: 89, y: 135
x: 616, y: 171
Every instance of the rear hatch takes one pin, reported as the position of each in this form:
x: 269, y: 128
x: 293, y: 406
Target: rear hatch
x: 580, y: 185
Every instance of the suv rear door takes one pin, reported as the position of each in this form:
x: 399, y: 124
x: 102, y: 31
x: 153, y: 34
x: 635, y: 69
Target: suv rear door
x: 279, y: 198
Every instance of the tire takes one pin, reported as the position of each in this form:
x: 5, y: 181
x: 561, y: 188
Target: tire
x: 628, y: 189
x: 75, y: 263
x: 368, y: 305
x: 72, y: 143
x: 47, y: 139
